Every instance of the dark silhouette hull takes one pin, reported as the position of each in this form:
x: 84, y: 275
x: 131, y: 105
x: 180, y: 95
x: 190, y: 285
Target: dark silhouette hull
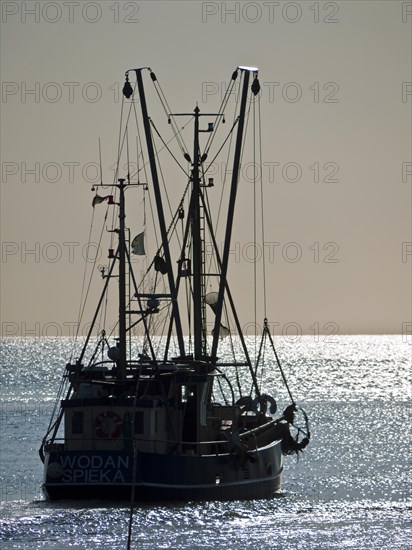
x: 160, y: 477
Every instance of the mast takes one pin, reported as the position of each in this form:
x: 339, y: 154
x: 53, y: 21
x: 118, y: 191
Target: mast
x: 197, y: 249
x: 196, y: 214
x: 231, y: 210
x: 159, y: 205
x: 122, y: 284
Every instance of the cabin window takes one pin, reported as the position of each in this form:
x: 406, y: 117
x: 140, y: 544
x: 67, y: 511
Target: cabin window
x: 138, y: 422
x: 77, y: 423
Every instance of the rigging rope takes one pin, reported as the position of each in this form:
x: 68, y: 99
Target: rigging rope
x: 254, y: 224
x: 139, y: 141
x: 169, y: 115
x: 83, y: 299
x: 165, y: 144
x: 262, y: 211
x: 134, y: 470
x: 235, y: 121
x: 219, y: 119
x: 82, y: 293
x: 266, y: 329
x: 171, y: 227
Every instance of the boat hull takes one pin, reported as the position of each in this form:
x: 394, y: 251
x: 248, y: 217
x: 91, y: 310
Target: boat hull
x: 157, y: 477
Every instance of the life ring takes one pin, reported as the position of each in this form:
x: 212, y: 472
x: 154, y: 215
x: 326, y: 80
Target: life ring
x: 263, y: 401
x: 108, y: 425
x: 249, y: 404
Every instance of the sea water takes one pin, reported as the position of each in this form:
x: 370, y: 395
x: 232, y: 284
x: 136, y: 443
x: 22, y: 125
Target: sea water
x: 349, y: 489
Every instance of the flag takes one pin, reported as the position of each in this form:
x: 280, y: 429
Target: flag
x: 138, y: 245
x: 97, y: 199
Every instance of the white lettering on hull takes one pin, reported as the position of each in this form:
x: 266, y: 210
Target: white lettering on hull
x: 93, y: 469
x: 95, y: 462
x: 92, y: 476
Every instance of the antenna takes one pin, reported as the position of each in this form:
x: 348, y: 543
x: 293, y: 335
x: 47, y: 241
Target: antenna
x: 137, y: 160
x: 100, y: 159
x: 127, y: 150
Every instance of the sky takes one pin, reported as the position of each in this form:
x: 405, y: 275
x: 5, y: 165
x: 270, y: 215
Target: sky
x: 336, y: 109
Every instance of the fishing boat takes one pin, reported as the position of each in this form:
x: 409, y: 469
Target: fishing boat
x: 167, y: 403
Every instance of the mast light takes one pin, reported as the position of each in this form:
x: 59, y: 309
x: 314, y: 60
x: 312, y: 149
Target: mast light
x: 251, y: 69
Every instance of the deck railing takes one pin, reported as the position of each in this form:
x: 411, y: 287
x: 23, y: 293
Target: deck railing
x: 218, y: 446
